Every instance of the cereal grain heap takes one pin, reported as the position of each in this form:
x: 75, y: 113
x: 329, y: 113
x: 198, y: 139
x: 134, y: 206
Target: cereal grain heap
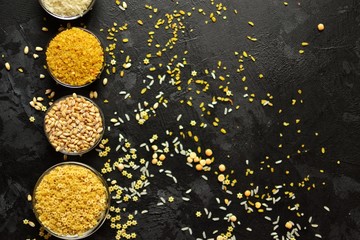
x: 73, y: 124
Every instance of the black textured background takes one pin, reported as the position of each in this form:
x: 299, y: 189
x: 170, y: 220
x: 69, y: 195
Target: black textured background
x: 328, y: 73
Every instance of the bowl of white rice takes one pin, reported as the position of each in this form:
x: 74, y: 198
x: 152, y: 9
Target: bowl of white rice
x: 67, y: 9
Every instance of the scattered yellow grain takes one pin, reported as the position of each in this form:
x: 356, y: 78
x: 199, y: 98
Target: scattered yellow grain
x: 288, y: 224
x: 304, y: 44
x: 320, y: 27
x: 222, y: 168
x: 31, y: 224
x: 26, y: 50
x: 162, y: 157
x: 7, y: 66
x: 143, y: 90
x: 233, y: 218
x: 208, y: 152
x: 192, y: 155
x: 221, y: 177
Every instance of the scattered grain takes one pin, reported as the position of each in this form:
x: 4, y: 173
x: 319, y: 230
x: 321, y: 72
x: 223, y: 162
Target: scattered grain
x: 222, y: 168
x: 221, y: 177
x: 7, y: 66
x: 233, y: 218
x: 208, y: 152
x: 26, y: 50
x: 289, y: 225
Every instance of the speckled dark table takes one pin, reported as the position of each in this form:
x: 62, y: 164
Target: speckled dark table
x: 257, y: 138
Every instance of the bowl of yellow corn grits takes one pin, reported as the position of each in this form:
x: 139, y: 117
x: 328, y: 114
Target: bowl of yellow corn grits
x: 71, y: 200
x: 75, y: 57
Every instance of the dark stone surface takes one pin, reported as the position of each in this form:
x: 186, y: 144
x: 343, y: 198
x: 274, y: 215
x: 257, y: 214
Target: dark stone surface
x: 328, y: 73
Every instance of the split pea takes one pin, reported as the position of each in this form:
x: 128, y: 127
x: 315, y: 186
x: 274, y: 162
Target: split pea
x: 120, y: 167
x: 192, y: 155
x: 321, y: 27
x: 288, y: 225
x: 208, y: 152
x: 162, y: 157
x: 233, y: 218
x: 222, y: 168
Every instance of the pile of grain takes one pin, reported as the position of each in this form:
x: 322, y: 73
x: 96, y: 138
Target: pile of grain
x: 73, y: 124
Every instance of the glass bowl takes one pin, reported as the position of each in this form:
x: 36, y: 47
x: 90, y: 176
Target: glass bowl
x: 67, y: 17
x: 86, y: 84
x: 50, y: 182
x: 101, y: 134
